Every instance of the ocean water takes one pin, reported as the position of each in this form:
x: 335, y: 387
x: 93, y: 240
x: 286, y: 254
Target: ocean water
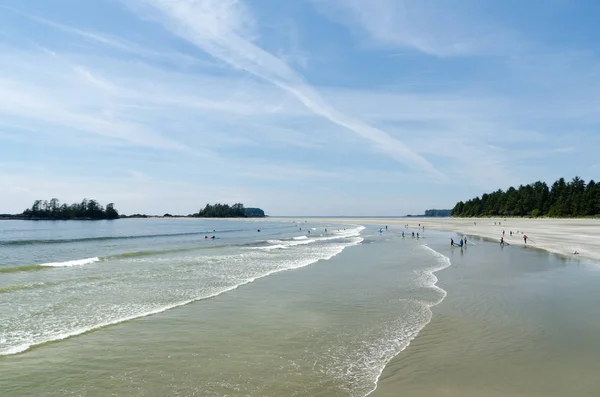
x: 151, y: 307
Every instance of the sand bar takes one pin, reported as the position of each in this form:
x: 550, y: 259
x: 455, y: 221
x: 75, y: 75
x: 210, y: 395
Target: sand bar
x: 560, y: 236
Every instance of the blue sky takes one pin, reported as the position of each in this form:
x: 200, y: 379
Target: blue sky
x: 301, y: 107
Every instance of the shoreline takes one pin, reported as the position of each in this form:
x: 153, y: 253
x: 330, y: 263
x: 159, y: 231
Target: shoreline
x: 559, y: 236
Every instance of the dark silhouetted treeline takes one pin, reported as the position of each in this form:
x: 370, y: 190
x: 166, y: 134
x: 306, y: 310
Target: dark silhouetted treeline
x: 53, y: 209
x: 226, y: 211
x: 562, y: 199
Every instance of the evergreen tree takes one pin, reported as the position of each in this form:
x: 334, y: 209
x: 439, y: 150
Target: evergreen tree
x: 563, y: 199
x: 54, y: 210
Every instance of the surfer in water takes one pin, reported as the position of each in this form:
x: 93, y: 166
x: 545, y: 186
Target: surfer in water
x: 525, y: 238
x: 460, y: 243
x: 451, y: 242
x: 417, y: 234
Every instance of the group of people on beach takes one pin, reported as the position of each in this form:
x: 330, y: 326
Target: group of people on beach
x: 462, y: 242
x: 413, y: 235
x: 502, y: 242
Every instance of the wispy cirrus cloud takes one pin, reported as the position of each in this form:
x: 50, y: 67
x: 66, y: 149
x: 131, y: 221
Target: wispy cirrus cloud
x: 97, y: 101
x: 432, y: 27
x: 116, y: 43
x: 224, y: 30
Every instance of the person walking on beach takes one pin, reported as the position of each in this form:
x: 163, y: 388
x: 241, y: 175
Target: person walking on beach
x: 525, y: 238
x: 385, y: 227
x: 511, y: 233
x: 460, y: 243
x: 451, y: 242
x: 465, y: 241
x: 503, y: 233
x: 413, y: 234
x: 402, y: 234
x: 417, y: 234
x: 502, y: 241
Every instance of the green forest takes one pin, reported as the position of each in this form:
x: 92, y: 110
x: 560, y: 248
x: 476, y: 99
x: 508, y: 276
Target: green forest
x: 562, y: 199
x: 226, y: 211
x: 53, y: 209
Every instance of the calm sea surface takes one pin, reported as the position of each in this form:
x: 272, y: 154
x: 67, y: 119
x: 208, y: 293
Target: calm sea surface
x: 151, y: 307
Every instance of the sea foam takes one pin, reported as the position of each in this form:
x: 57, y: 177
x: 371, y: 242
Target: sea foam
x: 77, y: 262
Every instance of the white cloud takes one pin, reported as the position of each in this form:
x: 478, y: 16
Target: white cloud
x: 431, y: 27
x: 259, y: 131
x: 223, y: 29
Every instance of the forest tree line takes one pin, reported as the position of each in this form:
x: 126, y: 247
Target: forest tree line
x: 226, y: 211
x: 53, y: 209
x: 562, y: 199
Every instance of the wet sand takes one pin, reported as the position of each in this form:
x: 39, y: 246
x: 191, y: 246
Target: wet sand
x: 516, y: 322
x: 560, y: 236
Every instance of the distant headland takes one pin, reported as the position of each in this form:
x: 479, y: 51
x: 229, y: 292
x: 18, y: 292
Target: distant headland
x: 93, y: 210
x: 433, y: 213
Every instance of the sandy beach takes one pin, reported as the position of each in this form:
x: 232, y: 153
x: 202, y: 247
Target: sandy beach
x: 560, y: 236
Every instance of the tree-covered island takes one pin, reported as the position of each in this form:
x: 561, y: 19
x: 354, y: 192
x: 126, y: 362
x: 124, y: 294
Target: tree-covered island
x: 92, y: 210
x: 54, y: 210
x: 226, y: 211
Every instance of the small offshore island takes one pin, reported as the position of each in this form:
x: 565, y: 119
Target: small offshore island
x: 54, y: 210
x: 93, y: 210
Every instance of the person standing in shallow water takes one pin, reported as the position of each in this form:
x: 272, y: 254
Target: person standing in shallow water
x: 451, y: 242
x: 525, y: 238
